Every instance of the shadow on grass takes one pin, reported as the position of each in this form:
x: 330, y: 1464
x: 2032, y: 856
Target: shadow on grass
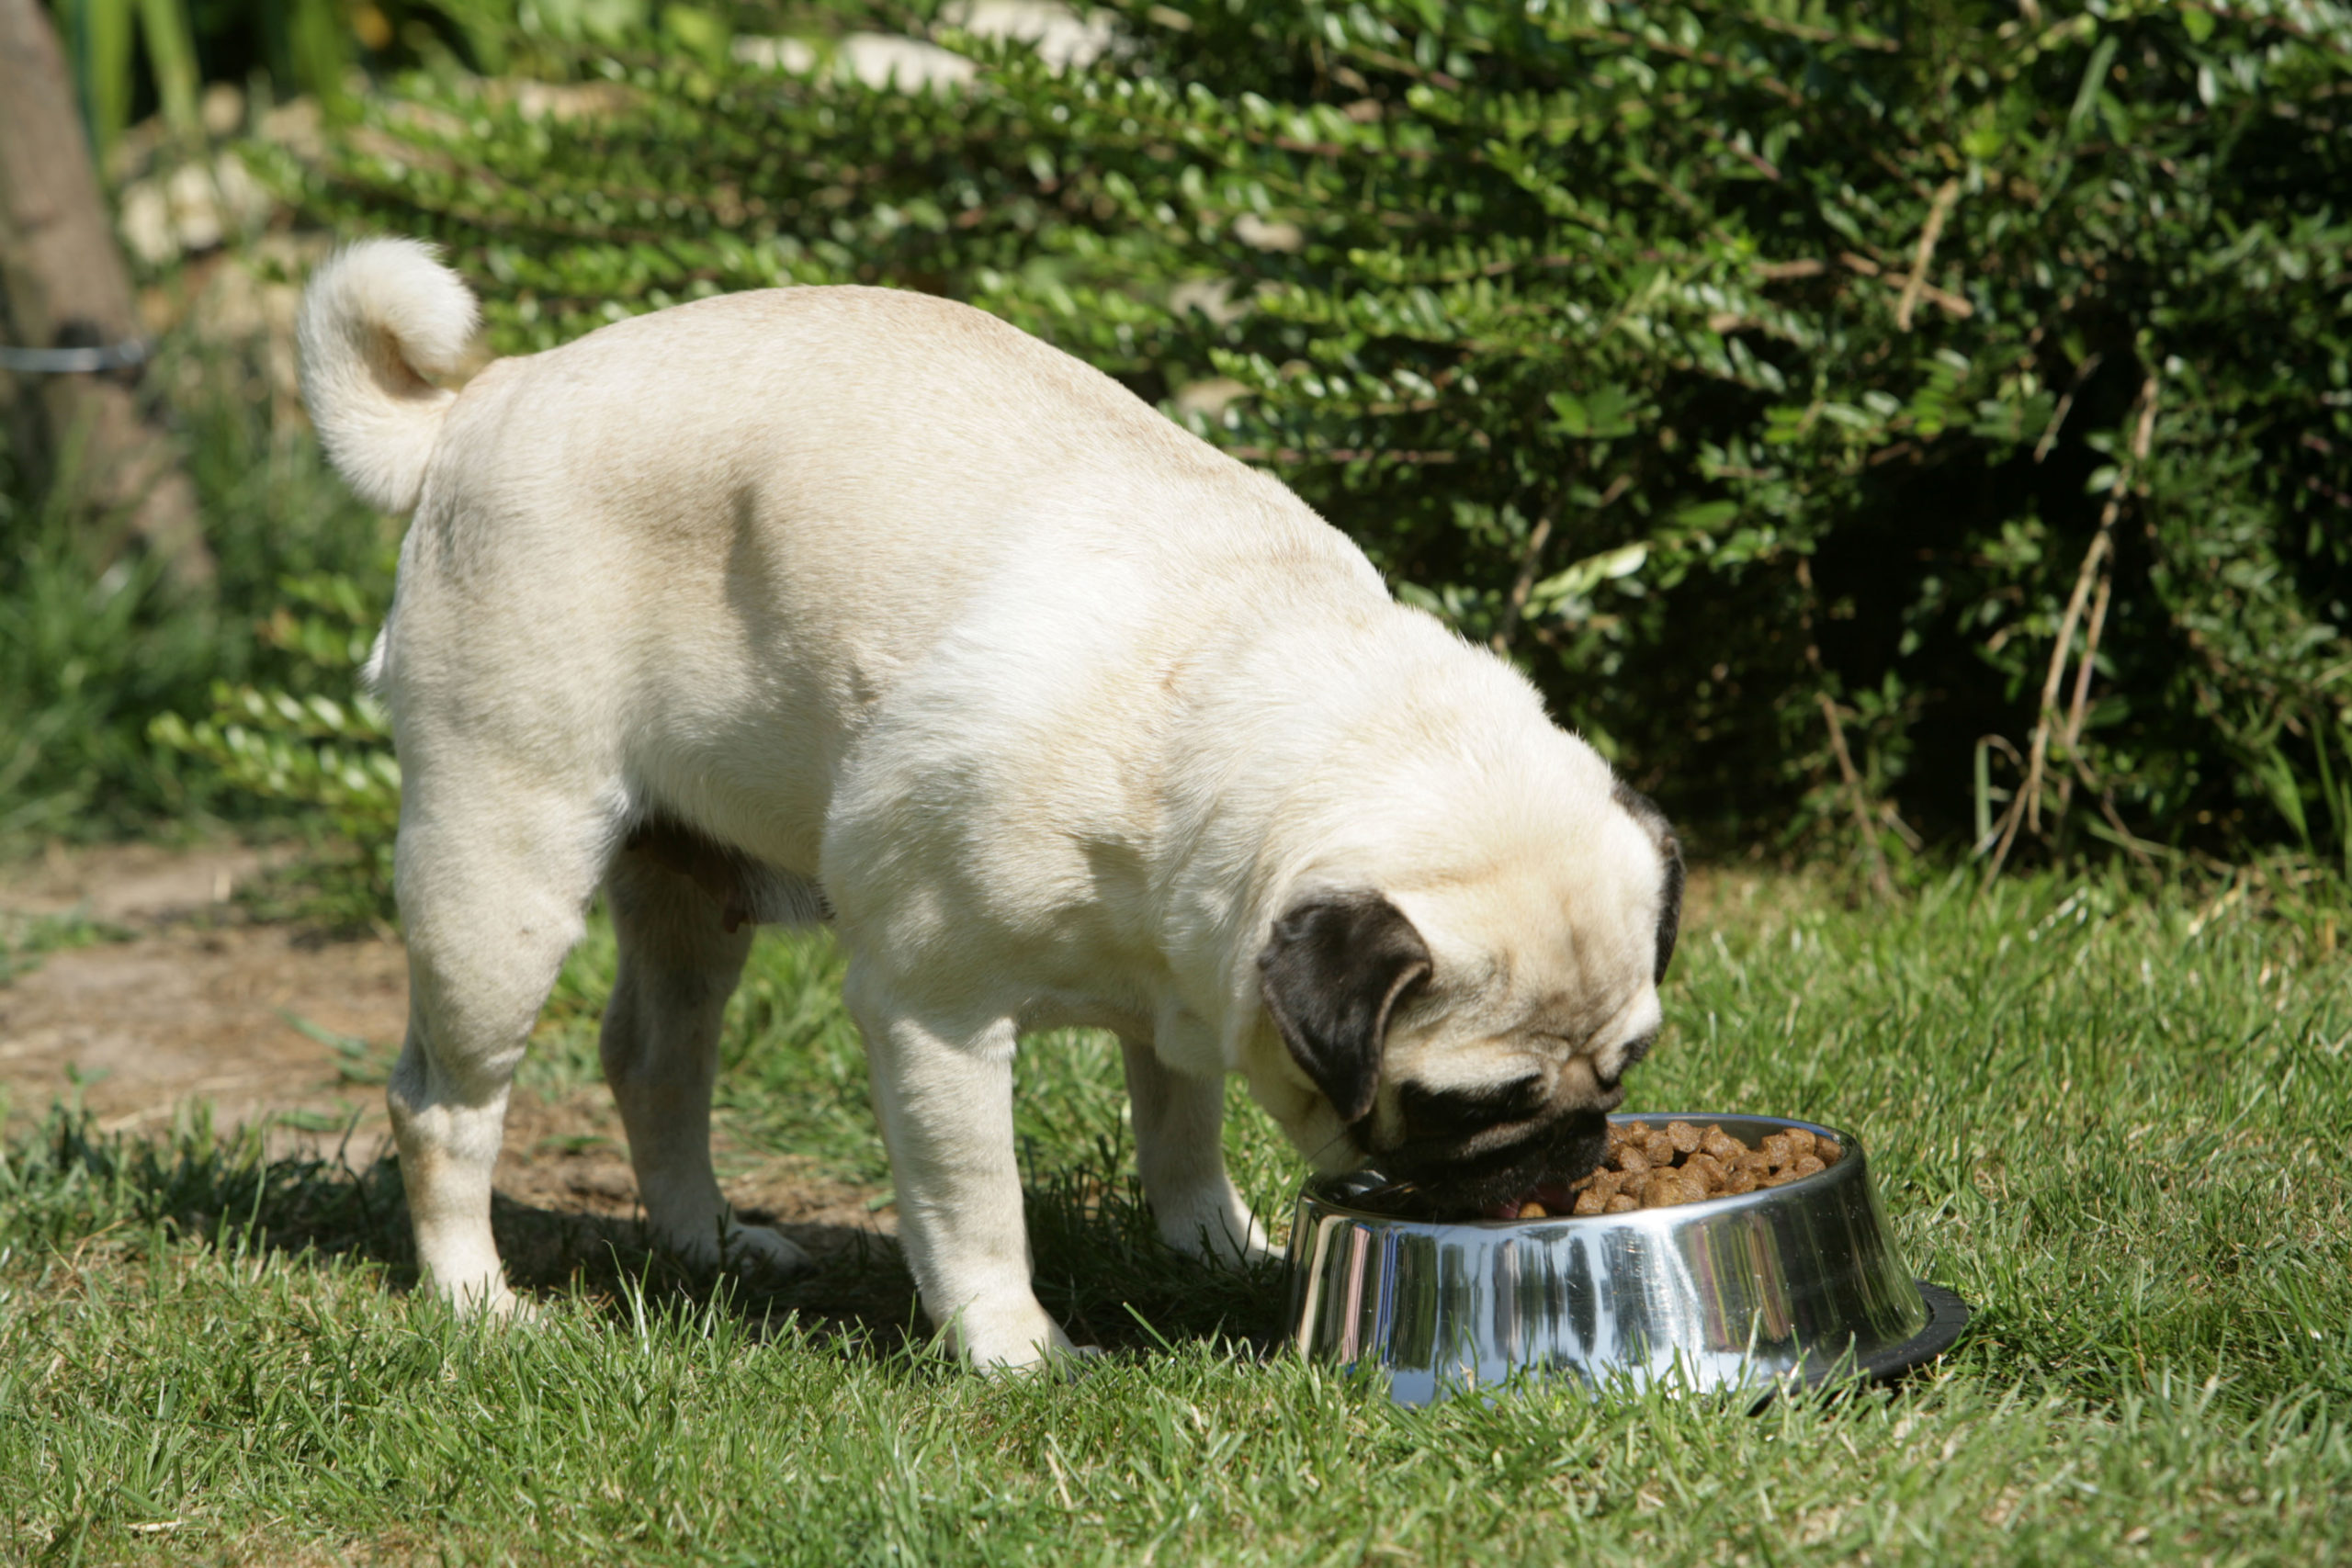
x: 1100, y: 1267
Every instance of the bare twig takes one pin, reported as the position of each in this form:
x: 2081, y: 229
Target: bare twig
x: 2124, y: 835
x: 1859, y: 798
x: 2026, y: 808
x: 1537, y: 537
x: 1881, y: 883
x: 1912, y: 284
x: 1819, y: 35
x: 1990, y: 833
x: 2075, y: 709
x: 2066, y: 406
x: 1532, y: 558
x: 1943, y: 298
x: 1930, y: 232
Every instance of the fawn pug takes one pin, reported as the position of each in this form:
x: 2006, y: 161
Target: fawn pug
x: 860, y: 605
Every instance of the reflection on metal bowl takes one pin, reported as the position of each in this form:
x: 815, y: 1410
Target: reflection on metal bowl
x: 1794, y: 1283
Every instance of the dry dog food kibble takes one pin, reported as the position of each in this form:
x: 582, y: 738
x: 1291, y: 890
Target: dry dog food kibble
x: 1721, y: 1144
x: 1648, y: 1168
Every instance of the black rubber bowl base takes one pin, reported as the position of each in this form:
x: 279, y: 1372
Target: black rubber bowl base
x: 1947, y: 1320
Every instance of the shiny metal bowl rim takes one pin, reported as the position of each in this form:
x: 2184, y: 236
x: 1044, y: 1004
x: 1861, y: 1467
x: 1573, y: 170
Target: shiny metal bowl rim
x: 1321, y: 1187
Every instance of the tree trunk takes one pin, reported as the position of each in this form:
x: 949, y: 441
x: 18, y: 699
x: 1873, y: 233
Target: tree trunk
x: 63, y: 285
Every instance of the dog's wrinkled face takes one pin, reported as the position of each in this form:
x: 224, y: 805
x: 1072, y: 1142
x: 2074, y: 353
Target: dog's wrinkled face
x: 1469, y: 1032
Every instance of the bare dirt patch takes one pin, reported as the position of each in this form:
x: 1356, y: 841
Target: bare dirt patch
x: 169, y: 996
x: 175, y: 997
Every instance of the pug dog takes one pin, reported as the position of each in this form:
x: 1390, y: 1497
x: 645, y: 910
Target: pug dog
x: 860, y: 605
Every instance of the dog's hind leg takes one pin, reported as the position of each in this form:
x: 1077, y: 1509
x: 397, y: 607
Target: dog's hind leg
x: 1180, y: 1153
x: 494, y: 883
x: 678, y: 965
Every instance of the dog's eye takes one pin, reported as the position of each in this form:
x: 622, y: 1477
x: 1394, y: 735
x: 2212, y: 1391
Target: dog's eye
x: 1459, y: 1112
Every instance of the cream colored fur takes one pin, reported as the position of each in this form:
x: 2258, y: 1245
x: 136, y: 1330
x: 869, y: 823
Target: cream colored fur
x: 1057, y: 706
x: 376, y: 320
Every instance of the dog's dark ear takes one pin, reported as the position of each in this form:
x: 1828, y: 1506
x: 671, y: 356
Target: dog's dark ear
x: 1336, y: 968
x: 1642, y: 809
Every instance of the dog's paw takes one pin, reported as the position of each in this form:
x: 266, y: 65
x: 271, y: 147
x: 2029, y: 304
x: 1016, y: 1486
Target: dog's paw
x: 758, y: 1252
x: 1013, y: 1342
x: 1222, y: 1234
x: 485, y: 1300
x: 521, y: 1310
x: 1065, y: 1364
x: 763, y: 1251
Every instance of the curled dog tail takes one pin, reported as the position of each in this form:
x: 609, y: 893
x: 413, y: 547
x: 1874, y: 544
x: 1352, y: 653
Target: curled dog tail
x: 378, y: 319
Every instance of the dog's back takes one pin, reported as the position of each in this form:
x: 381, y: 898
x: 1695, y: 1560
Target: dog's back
x: 720, y: 535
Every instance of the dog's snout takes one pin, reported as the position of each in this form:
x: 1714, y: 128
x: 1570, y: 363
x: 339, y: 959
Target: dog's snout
x: 1459, y: 1178
x: 1584, y: 1086
x: 1452, y: 1114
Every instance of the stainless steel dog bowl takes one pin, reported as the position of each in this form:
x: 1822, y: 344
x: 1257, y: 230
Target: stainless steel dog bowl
x: 1788, y: 1285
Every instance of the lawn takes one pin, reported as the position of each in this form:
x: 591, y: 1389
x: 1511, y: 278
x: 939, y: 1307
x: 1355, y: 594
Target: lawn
x: 2115, y: 1120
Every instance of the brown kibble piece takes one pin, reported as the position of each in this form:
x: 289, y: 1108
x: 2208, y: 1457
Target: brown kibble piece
x: 1533, y: 1211
x: 1659, y: 1148
x: 1806, y: 1165
x: 1722, y: 1145
x: 1776, y: 1149
x: 1631, y: 1160
x: 1620, y: 1204
x: 1663, y: 1193
x: 1621, y: 1133
x: 1800, y: 1142
x: 1706, y: 1168
x: 1777, y: 1178
x: 1738, y: 1179
x: 1827, y: 1150
x: 1634, y: 1183
x: 1754, y: 1161
x: 1592, y: 1201
x: 1605, y: 1182
x: 1683, y: 1136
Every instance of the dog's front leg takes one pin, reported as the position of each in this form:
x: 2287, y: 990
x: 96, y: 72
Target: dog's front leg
x: 1180, y: 1153
x: 943, y: 1091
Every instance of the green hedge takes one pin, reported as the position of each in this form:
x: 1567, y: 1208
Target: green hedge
x: 1799, y: 390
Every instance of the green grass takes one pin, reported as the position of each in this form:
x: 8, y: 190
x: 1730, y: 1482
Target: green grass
x: 2116, y: 1122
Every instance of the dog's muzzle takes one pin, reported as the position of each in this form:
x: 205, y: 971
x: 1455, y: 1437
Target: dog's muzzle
x: 1468, y: 1154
